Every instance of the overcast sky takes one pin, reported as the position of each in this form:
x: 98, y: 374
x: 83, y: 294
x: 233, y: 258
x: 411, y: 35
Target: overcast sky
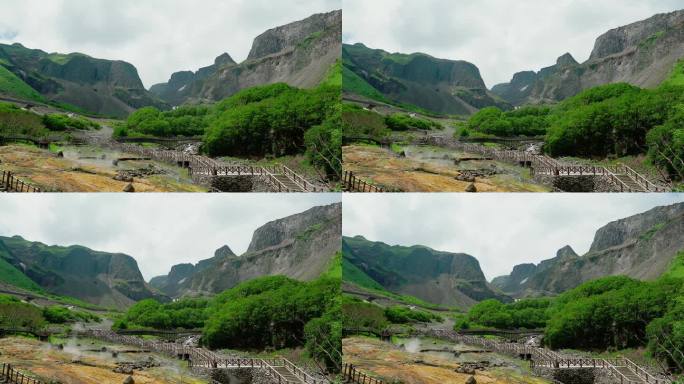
x: 501, y: 37
x: 159, y: 37
x: 158, y: 230
x: 500, y: 230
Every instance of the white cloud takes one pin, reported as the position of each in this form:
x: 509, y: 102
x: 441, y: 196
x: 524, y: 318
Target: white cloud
x: 501, y: 37
x: 158, y: 230
x: 500, y: 230
x: 159, y: 37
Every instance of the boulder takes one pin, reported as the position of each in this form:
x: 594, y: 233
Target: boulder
x: 471, y: 188
x: 129, y: 380
x: 471, y: 380
x: 60, y: 154
x: 129, y: 188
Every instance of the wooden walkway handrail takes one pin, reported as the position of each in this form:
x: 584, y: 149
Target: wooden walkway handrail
x: 12, y: 376
x: 352, y: 375
x: 10, y: 183
x: 351, y: 183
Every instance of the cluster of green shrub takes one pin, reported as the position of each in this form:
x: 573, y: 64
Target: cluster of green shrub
x: 60, y: 315
x: 16, y: 121
x: 525, y: 121
x: 611, y: 313
x: 609, y: 120
x: 527, y: 314
x: 17, y: 314
x: 273, y: 311
x: 58, y: 122
x: 357, y: 314
x: 275, y: 120
x: 404, y: 122
x: 400, y: 314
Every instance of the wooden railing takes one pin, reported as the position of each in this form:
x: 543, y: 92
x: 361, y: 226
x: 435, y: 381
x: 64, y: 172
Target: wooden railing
x: 306, y: 185
x: 351, y: 183
x: 351, y: 375
x: 11, y: 376
x: 10, y: 183
x: 300, y: 373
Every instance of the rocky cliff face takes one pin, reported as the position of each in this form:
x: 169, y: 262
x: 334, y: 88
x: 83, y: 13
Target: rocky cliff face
x: 111, y: 88
x: 448, y: 279
x: 643, y: 54
x: 442, y: 86
x: 106, y: 279
x: 299, y: 54
x: 300, y: 246
x: 640, y: 246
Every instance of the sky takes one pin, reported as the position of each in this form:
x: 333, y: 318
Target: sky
x: 158, y: 230
x: 500, y: 230
x: 501, y: 37
x: 159, y: 37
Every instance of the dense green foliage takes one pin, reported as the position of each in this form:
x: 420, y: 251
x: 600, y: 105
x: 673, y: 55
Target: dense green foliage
x: 404, y: 122
x: 357, y: 314
x: 12, y: 276
x: 14, y: 313
x: 270, y: 120
x: 609, y: 120
x: 402, y: 315
x: 273, y: 311
x: 611, y: 313
x: 358, y: 122
x: 185, y: 314
x: 15, y: 121
x: 57, y: 122
x: 526, y: 121
x: 59, y: 315
x: 528, y: 314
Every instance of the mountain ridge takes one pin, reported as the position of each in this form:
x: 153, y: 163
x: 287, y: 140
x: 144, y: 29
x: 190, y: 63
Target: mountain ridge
x: 640, y: 246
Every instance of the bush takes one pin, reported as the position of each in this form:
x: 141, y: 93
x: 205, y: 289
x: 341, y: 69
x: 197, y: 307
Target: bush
x: 403, y: 315
x: 404, y: 122
x: 526, y: 121
x: 61, y: 315
x: 57, y: 122
x: 358, y: 314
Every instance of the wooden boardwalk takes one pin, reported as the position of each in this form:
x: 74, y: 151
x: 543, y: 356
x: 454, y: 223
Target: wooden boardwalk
x: 279, y: 178
x: 280, y: 370
x: 622, y: 177
x: 621, y: 370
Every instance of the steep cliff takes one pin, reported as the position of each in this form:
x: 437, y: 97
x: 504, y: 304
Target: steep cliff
x: 300, y: 54
x: 300, y: 246
x: 107, y: 279
x: 438, y: 85
x: 111, y: 88
x: 642, y: 53
x: 444, y: 278
x: 641, y: 246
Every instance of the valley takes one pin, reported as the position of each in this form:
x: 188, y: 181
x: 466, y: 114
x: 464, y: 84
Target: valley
x: 605, y: 125
x: 76, y: 315
x: 264, y: 125
x: 414, y: 314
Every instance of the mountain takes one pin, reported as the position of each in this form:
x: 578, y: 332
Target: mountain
x: 642, y: 53
x: 110, y: 88
x: 437, y: 85
x: 106, y: 279
x: 299, y: 54
x: 300, y: 246
x: 443, y: 278
x: 641, y: 246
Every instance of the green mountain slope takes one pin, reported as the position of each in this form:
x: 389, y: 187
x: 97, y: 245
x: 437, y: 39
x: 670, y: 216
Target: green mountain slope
x: 11, y: 85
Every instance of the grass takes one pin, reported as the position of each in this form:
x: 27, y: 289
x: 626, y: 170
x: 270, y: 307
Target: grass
x: 334, y: 75
x: 355, y: 84
x: 648, y: 235
x: 12, y: 276
x: 676, y: 77
x: 676, y: 268
x: 334, y: 269
x: 14, y: 86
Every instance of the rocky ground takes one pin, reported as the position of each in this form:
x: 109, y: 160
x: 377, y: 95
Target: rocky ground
x: 74, y: 364
x: 435, y: 170
x: 396, y: 365
x: 83, y: 173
